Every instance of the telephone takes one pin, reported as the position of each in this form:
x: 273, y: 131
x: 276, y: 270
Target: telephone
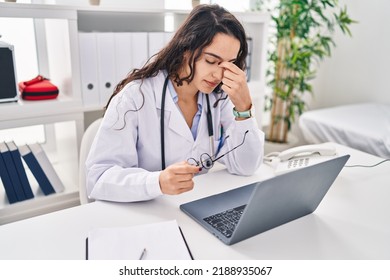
x: 299, y: 157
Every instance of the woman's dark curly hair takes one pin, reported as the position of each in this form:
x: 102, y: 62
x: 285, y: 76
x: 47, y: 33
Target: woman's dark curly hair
x: 196, y: 33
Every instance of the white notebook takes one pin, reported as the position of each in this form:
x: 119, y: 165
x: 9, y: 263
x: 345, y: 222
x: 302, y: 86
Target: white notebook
x: 157, y: 241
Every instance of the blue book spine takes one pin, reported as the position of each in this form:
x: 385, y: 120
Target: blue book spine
x: 20, y: 170
x: 13, y: 174
x: 38, y: 173
x: 9, y: 188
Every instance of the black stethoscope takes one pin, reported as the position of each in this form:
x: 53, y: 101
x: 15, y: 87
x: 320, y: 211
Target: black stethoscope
x: 209, y: 124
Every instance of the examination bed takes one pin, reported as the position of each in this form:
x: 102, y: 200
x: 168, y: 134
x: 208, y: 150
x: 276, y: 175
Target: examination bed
x: 363, y: 126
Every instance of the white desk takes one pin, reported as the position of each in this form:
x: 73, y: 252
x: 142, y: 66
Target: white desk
x: 352, y: 222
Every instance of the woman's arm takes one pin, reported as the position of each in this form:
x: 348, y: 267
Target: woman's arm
x: 112, y: 165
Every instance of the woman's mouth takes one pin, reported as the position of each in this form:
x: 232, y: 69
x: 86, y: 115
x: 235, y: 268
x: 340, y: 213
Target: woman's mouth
x: 211, y: 84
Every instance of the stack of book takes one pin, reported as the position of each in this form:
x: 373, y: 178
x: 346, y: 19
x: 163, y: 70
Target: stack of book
x: 13, y: 174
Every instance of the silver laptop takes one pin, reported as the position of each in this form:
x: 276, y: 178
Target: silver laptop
x: 246, y: 211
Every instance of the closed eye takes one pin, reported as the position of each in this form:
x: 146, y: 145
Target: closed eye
x: 211, y: 62
x: 218, y: 60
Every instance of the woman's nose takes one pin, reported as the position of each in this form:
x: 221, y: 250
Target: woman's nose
x: 218, y: 73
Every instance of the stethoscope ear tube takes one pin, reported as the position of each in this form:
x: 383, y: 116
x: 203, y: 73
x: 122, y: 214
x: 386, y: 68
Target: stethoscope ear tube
x: 210, y: 126
x: 164, y: 92
x: 209, y: 117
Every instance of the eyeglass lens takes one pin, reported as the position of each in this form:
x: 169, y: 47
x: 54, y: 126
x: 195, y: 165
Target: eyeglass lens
x: 206, y: 161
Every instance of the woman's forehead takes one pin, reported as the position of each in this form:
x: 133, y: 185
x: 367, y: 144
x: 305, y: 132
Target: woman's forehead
x: 224, y: 47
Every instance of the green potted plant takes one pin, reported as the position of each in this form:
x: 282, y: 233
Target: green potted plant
x: 303, y: 36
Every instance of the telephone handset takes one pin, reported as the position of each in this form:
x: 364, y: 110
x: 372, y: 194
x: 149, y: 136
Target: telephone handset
x: 300, y: 156
x: 307, y: 151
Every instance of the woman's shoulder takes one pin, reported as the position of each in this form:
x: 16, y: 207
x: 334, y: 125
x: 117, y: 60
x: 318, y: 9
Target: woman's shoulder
x: 129, y: 93
x: 137, y: 91
x: 146, y: 85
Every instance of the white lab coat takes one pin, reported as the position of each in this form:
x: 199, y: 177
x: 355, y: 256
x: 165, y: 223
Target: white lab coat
x: 124, y: 162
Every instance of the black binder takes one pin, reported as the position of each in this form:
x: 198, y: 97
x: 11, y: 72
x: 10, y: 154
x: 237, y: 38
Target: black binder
x: 8, y: 80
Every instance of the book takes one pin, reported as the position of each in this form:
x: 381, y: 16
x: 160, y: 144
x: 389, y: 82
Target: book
x: 12, y: 172
x: 47, y: 167
x: 36, y: 170
x: 7, y: 183
x: 17, y: 158
x: 155, y: 241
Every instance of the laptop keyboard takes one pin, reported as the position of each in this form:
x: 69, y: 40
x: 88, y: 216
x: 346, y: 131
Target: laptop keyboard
x: 226, y: 221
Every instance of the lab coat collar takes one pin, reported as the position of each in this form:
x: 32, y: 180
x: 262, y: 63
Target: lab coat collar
x: 176, y: 121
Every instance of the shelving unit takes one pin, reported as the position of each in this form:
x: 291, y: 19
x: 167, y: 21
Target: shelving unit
x: 64, y: 70
x: 67, y: 108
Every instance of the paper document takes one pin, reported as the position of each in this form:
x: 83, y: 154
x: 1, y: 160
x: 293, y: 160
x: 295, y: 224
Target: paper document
x: 157, y: 241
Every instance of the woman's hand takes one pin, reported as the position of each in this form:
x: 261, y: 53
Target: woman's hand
x: 236, y: 86
x: 177, y: 178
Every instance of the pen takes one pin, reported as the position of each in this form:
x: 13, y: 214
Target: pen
x: 141, y: 257
x: 185, y: 242
x: 220, y: 141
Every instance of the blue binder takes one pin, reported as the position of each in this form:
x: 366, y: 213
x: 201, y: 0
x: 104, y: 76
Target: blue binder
x: 13, y: 174
x: 36, y: 170
x: 16, y: 157
x: 9, y: 188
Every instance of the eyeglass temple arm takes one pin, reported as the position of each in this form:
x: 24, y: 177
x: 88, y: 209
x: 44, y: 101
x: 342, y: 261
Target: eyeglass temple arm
x: 243, y: 140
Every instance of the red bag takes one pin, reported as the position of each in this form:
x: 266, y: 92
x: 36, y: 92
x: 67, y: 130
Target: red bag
x: 38, y: 88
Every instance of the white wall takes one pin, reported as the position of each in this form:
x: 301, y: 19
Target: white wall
x: 358, y: 70
x: 20, y: 33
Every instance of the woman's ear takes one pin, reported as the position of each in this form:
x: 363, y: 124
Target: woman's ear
x: 185, y: 69
x: 186, y: 57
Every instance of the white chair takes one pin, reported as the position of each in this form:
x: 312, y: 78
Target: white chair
x: 86, y: 143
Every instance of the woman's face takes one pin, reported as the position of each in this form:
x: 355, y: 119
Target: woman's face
x: 208, y: 73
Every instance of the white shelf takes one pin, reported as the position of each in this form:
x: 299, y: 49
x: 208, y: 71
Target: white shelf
x: 21, y: 10
x: 38, y: 206
x: 45, y: 111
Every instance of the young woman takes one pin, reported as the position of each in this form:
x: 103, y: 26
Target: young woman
x: 186, y: 108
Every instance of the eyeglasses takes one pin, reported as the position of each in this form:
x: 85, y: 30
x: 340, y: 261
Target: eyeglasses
x: 207, y: 161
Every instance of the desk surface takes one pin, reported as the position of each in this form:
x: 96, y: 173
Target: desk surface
x: 352, y: 222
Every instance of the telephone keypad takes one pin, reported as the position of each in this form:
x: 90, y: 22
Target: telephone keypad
x: 299, y: 162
